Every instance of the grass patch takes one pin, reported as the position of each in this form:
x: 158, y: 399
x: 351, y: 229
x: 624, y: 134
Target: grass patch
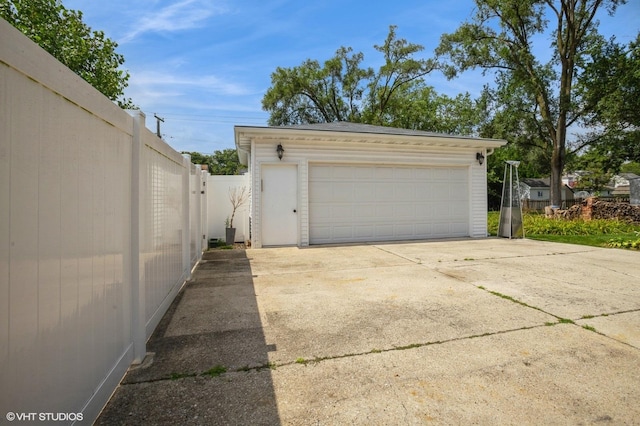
x: 565, y: 321
x: 215, y: 371
x: 590, y: 328
x: 626, y: 242
x: 301, y: 361
x: 595, y: 233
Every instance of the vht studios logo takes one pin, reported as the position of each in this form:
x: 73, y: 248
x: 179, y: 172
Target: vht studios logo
x: 44, y: 417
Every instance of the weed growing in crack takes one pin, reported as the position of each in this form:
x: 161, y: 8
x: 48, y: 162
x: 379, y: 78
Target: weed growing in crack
x: 215, y: 371
x: 590, y: 328
x: 177, y: 376
x: 411, y: 346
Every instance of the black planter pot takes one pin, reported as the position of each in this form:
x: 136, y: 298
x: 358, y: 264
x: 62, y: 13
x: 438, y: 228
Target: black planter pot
x: 231, y: 236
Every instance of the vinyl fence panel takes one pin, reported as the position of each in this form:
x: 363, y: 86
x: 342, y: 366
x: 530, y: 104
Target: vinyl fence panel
x: 96, y: 218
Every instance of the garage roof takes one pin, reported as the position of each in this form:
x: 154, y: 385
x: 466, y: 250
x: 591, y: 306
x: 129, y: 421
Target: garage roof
x: 355, y: 132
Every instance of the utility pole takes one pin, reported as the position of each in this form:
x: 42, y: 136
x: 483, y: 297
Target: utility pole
x: 158, y: 120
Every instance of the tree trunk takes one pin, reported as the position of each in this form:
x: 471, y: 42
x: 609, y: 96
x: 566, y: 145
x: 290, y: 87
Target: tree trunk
x: 557, y: 164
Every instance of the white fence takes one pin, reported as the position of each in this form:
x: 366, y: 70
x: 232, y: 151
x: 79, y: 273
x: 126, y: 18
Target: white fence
x: 100, y: 225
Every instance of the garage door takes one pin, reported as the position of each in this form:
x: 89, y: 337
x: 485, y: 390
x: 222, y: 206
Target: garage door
x: 357, y: 203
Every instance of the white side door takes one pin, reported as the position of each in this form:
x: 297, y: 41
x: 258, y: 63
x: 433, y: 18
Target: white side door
x: 279, y: 205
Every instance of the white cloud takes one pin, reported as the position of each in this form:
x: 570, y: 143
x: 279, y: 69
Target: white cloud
x: 180, y: 16
x: 210, y: 83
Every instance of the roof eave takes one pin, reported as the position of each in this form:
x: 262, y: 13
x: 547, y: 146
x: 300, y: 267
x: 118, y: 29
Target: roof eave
x: 244, y: 135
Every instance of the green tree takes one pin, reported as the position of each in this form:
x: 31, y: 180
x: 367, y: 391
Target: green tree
x: 198, y: 158
x: 418, y: 106
x: 399, y: 71
x: 610, y: 89
x: 225, y: 162
x: 631, y: 167
x: 343, y: 90
x: 500, y: 38
x: 311, y: 93
x: 62, y: 33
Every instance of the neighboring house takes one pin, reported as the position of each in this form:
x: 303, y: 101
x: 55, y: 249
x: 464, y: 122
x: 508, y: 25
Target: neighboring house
x: 345, y: 182
x: 538, y: 189
x: 619, y: 185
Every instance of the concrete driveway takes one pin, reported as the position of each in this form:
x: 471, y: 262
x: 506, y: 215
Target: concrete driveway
x: 490, y: 331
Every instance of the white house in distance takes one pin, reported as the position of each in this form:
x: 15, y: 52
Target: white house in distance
x: 539, y: 189
x: 344, y: 182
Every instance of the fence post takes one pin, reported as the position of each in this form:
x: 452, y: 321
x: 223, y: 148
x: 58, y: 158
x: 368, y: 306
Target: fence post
x: 138, y: 319
x: 186, y: 214
x: 204, y: 215
x: 198, y: 209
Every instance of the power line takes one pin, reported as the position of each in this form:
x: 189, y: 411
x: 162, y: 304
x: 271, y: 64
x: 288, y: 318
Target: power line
x: 213, y: 118
x: 210, y: 115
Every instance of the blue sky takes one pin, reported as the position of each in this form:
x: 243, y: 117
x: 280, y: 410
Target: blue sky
x: 204, y: 65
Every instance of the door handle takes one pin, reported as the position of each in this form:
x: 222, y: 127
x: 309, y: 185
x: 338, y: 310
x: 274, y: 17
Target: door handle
x: 295, y: 211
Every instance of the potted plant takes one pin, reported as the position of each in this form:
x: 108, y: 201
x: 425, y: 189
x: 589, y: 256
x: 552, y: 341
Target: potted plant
x: 237, y: 196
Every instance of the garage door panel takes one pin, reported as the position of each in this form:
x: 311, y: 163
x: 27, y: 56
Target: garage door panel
x: 422, y: 210
x: 406, y: 230
x: 341, y: 211
x: 385, y: 192
x: 344, y: 173
x: 364, y: 231
x: 320, y: 172
x: 320, y: 233
x: 364, y: 192
x: 384, y: 212
x: 403, y: 211
x: 321, y: 192
x: 441, y: 191
x: 424, y: 190
x: 364, y: 211
x: 349, y: 203
x: 363, y: 173
x: 424, y: 229
x: 383, y: 172
x: 322, y: 213
x: 402, y: 173
x: 384, y: 231
x: 343, y: 233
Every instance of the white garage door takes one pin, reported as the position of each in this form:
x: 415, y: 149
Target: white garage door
x: 356, y: 203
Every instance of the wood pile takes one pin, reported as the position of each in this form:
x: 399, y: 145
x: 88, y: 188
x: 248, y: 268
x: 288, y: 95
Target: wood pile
x: 592, y: 208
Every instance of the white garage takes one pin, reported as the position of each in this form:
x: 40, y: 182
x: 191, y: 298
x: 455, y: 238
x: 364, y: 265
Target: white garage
x: 345, y: 183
